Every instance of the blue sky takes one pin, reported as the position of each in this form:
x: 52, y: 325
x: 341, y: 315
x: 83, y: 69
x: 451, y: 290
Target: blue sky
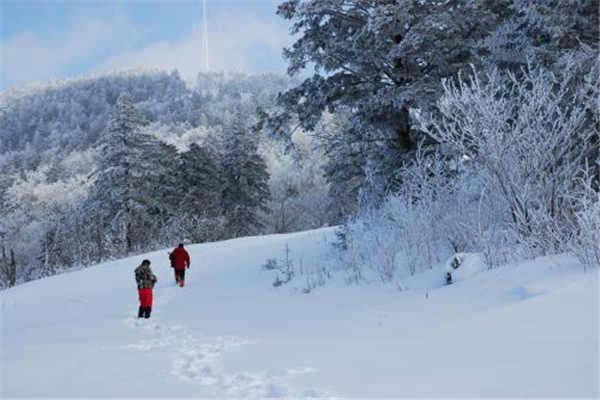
x: 43, y: 40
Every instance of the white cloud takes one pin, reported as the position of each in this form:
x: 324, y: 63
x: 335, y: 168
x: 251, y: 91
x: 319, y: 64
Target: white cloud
x: 238, y: 43
x: 248, y: 43
x: 27, y: 56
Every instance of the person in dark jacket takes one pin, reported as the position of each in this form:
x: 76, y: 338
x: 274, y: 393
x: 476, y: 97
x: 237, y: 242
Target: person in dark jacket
x: 145, y: 282
x: 180, y: 261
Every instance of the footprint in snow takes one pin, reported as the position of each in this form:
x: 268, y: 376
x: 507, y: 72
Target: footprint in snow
x: 522, y: 293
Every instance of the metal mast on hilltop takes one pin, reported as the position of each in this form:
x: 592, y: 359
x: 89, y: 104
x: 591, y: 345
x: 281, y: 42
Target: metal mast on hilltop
x: 204, y: 44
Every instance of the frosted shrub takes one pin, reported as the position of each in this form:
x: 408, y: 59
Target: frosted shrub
x: 588, y: 240
x: 528, y: 137
x: 371, y: 246
x: 586, y: 243
x: 444, y: 207
x: 409, y: 232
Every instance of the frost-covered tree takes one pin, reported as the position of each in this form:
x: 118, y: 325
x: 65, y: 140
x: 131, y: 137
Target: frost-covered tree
x: 245, y: 190
x: 199, y: 177
x: 378, y: 58
x: 299, y: 191
x: 129, y: 188
x: 31, y: 226
x: 542, y: 31
x: 345, y: 167
x: 197, y: 214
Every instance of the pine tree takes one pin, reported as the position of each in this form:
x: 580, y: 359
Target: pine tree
x: 199, y: 190
x: 163, y: 180
x: 540, y: 32
x: 379, y: 59
x: 345, y: 168
x: 246, y: 190
x: 345, y: 172
x: 127, y: 192
x: 199, y: 175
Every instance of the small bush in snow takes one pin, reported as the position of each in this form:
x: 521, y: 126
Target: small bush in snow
x: 287, y: 269
x: 284, y: 268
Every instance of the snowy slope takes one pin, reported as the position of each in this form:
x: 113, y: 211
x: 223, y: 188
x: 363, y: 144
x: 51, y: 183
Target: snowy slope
x: 525, y: 330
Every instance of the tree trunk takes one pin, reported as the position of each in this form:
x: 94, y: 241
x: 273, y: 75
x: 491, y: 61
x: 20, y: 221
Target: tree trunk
x: 4, y: 265
x: 128, y: 239
x: 12, y: 268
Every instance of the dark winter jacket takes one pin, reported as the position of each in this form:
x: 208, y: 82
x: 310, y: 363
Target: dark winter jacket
x: 144, y: 277
x: 180, y: 259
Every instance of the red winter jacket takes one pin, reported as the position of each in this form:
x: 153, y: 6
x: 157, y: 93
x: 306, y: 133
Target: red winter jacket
x: 180, y: 259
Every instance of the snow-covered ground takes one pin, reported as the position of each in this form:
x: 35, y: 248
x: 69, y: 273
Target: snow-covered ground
x: 524, y: 330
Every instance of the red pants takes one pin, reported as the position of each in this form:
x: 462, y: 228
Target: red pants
x: 145, y: 297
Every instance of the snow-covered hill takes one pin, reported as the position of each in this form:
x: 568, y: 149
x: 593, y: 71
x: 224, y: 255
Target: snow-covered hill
x: 525, y: 330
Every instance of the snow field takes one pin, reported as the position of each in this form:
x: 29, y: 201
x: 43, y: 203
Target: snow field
x: 523, y: 330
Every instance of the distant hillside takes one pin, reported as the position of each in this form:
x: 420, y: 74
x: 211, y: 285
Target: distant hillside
x: 45, y: 124
x: 73, y: 114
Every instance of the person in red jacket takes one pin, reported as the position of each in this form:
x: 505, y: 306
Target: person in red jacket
x: 180, y: 261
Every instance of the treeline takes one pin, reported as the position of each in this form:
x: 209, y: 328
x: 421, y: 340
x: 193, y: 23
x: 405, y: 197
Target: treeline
x: 144, y: 193
x: 44, y: 125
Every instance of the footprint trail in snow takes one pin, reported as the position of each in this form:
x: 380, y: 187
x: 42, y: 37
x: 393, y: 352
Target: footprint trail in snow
x: 196, y: 359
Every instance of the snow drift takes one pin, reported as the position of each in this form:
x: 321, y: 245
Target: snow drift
x: 522, y: 330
